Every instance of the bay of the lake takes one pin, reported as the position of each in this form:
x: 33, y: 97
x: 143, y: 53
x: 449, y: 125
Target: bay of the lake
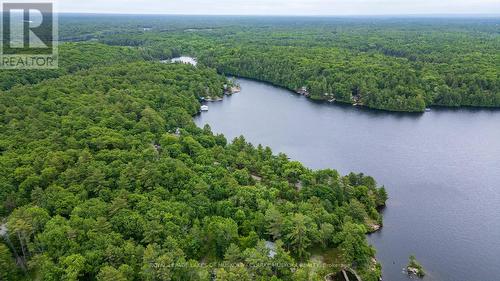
x: 441, y: 170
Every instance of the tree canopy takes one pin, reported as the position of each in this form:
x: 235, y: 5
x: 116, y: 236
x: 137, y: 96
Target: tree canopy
x: 388, y: 64
x: 104, y: 176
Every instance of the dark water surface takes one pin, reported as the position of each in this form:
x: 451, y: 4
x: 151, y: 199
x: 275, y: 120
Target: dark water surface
x: 441, y: 169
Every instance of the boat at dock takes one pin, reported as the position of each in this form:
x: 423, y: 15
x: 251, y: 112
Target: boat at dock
x: 204, y: 108
x: 209, y: 99
x: 303, y: 91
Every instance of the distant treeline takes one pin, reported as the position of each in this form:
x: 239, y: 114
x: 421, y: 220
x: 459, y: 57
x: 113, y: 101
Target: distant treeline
x: 389, y: 64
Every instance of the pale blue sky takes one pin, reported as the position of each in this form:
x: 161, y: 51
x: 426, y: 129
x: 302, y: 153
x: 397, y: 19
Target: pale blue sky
x: 283, y: 7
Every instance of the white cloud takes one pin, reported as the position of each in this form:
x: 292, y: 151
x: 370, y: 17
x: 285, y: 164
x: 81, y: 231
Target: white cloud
x: 283, y: 7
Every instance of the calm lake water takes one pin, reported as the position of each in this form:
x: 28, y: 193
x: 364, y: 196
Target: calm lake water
x: 441, y: 169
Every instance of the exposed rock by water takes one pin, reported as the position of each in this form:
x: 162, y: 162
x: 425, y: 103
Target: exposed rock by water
x: 374, y: 228
x: 414, y: 268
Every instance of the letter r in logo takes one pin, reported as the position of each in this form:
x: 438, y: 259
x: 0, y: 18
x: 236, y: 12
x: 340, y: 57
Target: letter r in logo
x: 27, y: 26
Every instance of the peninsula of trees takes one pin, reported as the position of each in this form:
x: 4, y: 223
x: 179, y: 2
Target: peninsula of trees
x: 104, y: 176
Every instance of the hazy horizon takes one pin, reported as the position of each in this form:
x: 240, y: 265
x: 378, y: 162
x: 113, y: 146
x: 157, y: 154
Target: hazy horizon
x: 429, y: 15
x: 284, y: 7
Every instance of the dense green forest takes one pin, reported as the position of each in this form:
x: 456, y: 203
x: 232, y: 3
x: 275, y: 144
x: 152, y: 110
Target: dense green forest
x: 104, y: 176
x: 382, y: 63
x: 73, y: 57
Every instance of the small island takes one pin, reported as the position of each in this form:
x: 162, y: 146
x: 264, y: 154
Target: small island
x: 414, y: 267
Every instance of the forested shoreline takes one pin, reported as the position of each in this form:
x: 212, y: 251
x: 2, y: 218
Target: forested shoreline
x: 104, y: 176
x: 393, y: 65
